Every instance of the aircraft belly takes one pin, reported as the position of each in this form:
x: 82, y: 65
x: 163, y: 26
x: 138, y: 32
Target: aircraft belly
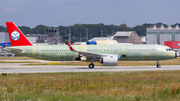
x: 134, y: 56
x: 58, y: 56
x: 146, y: 56
x: 170, y: 55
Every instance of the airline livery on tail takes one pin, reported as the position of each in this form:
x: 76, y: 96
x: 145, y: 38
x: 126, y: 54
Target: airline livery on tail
x: 108, y: 55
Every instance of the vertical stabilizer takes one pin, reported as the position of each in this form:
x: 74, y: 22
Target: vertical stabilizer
x: 17, y: 38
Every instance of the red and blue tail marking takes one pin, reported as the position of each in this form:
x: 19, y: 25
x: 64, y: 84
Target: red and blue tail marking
x: 17, y: 38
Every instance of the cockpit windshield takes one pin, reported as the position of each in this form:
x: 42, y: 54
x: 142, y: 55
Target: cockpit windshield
x: 169, y: 49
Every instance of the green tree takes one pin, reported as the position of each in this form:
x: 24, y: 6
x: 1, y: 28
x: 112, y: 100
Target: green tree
x: 3, y: 29
x: 40, y: 29
x: 141, y: 29
x: 123, y: 27
x: 26, y: 30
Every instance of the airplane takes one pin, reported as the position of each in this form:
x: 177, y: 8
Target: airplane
x: 108, y: 55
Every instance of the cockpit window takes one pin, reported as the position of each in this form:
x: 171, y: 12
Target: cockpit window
x: 169, y: 49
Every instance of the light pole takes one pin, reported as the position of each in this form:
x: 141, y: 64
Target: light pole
x: 80, y: 37
x: 87, y: 34
x: 70, y: 35
x: 6, y: 38
x: 101, y: 33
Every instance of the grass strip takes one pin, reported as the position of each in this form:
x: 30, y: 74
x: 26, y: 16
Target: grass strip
x: 98, y: 86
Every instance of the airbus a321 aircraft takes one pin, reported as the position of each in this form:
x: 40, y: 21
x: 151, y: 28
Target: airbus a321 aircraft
x: 108, y: 55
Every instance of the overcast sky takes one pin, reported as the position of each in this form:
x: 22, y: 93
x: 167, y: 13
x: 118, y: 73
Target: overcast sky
x: 69, y: 12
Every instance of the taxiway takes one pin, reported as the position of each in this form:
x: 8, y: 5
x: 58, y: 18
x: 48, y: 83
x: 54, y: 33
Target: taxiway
x: 23, y: 68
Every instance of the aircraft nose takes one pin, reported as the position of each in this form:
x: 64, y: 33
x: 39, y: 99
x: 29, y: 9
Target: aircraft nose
x: 176, y: 54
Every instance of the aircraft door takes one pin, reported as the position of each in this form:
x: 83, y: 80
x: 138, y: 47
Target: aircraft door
x: 81, y: 48
x: 124, y: 55
x: 33, y: 50
x: 158, y: 50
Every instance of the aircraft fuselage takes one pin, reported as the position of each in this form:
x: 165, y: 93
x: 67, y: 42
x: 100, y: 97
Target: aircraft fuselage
x: 125, y: 52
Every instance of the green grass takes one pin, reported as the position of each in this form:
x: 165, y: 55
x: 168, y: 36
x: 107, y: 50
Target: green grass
x: 98, y: 86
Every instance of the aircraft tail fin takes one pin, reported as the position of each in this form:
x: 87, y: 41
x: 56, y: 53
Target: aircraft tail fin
x: 17, y: 38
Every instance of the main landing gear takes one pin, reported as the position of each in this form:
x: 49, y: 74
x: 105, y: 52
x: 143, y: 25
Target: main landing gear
x: 91, y: 65
x: 158, y: 65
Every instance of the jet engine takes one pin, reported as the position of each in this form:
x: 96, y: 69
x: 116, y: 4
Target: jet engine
x: 109, y: 60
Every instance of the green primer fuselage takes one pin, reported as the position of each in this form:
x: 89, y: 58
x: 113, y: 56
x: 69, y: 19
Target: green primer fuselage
x: 126, y: 52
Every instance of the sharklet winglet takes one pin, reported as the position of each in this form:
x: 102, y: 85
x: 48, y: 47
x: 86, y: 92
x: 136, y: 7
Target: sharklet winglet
x: 70, y: 47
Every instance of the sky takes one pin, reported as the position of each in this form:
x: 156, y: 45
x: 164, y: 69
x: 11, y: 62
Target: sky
x: 69, y: 12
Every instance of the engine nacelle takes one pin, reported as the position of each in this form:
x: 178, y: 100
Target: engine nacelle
x: 110, y: 60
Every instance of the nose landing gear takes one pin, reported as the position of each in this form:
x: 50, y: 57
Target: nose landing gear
x: 91, y: 65
x: 158, y: 65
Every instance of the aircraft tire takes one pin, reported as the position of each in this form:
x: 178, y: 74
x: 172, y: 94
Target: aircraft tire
x: 91, y: 65
x: 158, y: 66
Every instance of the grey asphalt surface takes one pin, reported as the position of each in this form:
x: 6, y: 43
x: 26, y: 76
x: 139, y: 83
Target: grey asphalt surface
x: 22, y: 68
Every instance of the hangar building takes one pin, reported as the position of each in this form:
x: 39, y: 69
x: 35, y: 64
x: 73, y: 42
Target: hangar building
x: 4, y: 37
x: 160, y: 35
x: 122, y: 37
x: 127, y: 37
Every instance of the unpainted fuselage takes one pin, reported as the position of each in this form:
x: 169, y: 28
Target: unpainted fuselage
x: 126, y: 52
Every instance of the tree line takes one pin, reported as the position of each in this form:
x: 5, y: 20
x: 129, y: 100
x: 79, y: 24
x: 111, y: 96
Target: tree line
x: 94, y: 30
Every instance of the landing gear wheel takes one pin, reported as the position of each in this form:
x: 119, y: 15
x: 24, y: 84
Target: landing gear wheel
x: 91, y: 65
x: 158, y: 66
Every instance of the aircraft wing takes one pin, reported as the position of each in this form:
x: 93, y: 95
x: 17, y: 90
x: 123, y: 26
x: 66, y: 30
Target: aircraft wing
x: 85, y: 53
